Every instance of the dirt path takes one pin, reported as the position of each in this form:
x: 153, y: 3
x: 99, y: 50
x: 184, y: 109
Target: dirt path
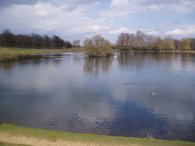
x: 5, y: 137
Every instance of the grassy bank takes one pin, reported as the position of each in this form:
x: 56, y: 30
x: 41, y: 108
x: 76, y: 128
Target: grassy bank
x: 11, y: 144
x: 30, y: 136
x: 11, y: 54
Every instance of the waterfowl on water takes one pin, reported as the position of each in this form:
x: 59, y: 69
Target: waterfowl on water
x: 125, y: 83
x: 152, y: 94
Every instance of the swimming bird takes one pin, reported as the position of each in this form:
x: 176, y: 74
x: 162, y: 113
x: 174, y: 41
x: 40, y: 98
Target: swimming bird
x: 153, y: 93
x: 125, y: 83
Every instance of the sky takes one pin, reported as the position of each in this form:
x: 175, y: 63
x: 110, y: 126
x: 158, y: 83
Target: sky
x: 79, y: 19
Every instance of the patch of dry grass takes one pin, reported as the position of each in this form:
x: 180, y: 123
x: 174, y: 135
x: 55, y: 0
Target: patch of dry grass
x: 9, y: 138
x: 11, y: 144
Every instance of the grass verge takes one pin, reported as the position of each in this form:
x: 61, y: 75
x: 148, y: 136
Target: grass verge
x: 10, y: 144
x: 11, y: 54
x: 67, y: 138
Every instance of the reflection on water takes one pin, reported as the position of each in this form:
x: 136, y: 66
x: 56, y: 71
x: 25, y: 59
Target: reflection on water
x: 97, y: 65
x: 102, y: 95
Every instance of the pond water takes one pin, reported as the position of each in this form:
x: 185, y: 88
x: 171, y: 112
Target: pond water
x: 110, y: 96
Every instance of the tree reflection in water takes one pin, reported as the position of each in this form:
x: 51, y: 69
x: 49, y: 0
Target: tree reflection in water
x: 97, y: 65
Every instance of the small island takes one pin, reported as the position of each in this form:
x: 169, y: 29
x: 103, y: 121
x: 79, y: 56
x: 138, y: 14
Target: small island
x: 97, y: 46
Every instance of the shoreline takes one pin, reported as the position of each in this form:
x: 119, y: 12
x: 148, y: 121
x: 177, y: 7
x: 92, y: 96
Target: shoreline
x: 32, y: 136
x: 15, y: 54
x: 159, y: 52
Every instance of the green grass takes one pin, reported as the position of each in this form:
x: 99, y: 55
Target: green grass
x: 88, y: 138
x: 9, y: 54
x: 9, y: 144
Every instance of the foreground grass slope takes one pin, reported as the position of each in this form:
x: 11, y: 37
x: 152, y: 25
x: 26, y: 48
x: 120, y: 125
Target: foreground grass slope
x: 30, y: 136
x: 11, y: 144
x: 7, y: 54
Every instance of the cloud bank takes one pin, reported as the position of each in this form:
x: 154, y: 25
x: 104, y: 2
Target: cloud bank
x: 82, y: 18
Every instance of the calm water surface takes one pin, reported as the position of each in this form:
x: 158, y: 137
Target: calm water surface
x: 111, y: 96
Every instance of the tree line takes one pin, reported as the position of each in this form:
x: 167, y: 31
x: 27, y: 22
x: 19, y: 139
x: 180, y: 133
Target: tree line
x: 97, y: 45
x: 8, y: 39
x: 143, y: 42
x: 139, y: 41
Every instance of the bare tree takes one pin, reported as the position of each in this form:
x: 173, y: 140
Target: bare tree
x: 177, y: 44
x: 169, y: 44
x: 185, y: 44
x: 76, y: 44
x: 123, y: 41
x: 158, y: 44
x: 192, y: 43
x: 139, y: 41
x: 132, y: 41
x: 8, y: 38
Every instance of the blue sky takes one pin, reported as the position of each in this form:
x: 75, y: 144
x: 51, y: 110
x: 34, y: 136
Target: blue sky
x: 80, y: 19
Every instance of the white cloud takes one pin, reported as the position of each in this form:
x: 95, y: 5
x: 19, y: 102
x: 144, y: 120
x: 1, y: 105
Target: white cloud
x: 188, y: 30
x: 80, y: 18
x: 122, y: 8
x: 185, y: 6
x: 46, y: 18
x: 120, y: 30
x: 42, y: 9
x: 57, y: 19
x: 119, y: 3
x: 153, y: 32
x: 71, y: 3
x: 38, y: 16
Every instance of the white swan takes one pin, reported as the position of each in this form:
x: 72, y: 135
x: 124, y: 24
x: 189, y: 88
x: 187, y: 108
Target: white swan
x: 153, y: 93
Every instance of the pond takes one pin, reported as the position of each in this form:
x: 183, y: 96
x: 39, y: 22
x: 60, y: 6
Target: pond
x: 133, y: 94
